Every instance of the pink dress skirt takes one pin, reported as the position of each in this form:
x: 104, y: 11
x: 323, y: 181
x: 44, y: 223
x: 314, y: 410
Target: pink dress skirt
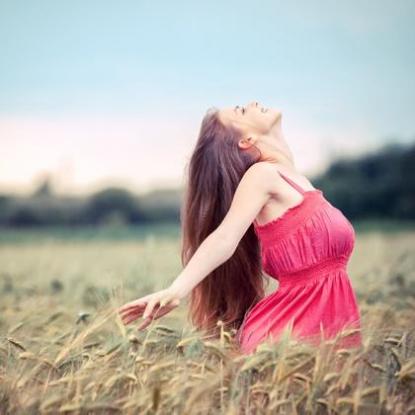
x: 306, y: 250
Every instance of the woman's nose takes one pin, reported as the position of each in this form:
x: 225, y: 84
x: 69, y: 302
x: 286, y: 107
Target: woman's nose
x: 253, y: 103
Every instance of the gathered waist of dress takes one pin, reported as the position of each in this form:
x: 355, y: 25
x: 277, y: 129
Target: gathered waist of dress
x: 313, y: 272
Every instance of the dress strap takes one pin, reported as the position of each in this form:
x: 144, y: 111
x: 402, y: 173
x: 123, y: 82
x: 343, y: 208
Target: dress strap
x: 292, y: 183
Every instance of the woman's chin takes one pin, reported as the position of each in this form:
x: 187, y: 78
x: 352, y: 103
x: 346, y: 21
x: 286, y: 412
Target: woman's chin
x: 276, y: 116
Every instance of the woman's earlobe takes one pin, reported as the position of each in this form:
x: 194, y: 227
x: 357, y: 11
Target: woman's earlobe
x: 243, y: 143
x: 246, y: 142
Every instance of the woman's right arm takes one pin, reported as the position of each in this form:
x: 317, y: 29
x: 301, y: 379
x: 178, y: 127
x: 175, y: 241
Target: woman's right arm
x: 250, y: 196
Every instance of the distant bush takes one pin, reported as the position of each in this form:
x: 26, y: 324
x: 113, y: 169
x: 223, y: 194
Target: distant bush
x: 113, y: 204
x: 376, y: 185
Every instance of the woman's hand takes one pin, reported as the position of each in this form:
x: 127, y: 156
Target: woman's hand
x: 151, y: 306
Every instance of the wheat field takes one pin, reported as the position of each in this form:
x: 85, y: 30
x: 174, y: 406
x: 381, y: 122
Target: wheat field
x: 64, y: 349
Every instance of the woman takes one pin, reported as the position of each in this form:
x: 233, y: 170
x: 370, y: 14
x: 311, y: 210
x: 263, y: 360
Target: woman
x: 247, y: 210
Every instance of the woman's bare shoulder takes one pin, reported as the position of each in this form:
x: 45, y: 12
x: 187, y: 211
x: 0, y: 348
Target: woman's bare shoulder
x: 263, y: 168
x: 266, y: 174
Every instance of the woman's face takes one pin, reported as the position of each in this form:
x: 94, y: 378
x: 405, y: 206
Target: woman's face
x: 252, y: 119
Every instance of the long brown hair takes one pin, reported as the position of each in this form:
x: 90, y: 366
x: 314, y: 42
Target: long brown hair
x: 214, y: 171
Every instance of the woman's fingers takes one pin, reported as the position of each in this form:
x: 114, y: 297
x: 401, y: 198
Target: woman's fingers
x: 140, y: 302
x: 138, y: 309
x: 131, y: 316
x: 149, y: 307
x: 160, y: 312
x: 161, y: 301
x: 145, y: 323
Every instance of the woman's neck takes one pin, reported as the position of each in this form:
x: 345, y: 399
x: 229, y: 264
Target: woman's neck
x: 281, y: 155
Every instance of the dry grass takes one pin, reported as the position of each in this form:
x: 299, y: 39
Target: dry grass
x: 63, y: 348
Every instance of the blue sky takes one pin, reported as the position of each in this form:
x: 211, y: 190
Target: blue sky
x: 114, y: 92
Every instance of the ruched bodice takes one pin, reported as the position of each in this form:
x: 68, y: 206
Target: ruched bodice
x: 307, y: 250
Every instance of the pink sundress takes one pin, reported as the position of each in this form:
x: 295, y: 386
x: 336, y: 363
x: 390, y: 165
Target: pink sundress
x: 306, y: 249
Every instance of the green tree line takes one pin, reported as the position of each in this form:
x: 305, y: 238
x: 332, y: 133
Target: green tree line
x: 380, y: 184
